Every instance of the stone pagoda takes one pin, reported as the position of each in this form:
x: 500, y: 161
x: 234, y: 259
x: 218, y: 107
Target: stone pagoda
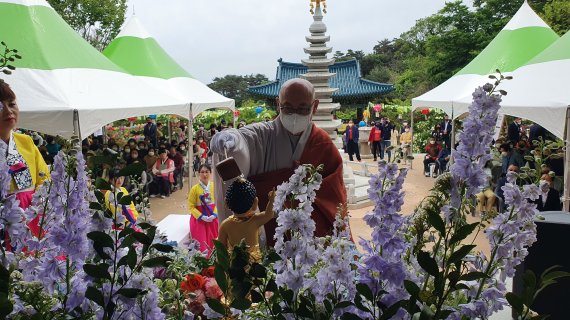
x: 318, y: 70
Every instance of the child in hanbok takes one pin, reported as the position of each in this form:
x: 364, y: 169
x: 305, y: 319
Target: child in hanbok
x: 203, y: 212
x: 129, y: 212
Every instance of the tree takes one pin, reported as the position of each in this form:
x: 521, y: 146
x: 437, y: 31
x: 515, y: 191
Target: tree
x: 235, y: 86
x: 97, y: 21
x: 556, y: 13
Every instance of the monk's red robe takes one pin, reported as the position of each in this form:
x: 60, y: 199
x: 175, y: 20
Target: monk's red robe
x: 319, y: 149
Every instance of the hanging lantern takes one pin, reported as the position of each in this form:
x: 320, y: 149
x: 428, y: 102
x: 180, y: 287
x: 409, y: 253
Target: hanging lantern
x: 236, y: 114
x: 152, y: 116
x: 132, y: 119
x: 425, y: 112
x: 259, y: 110
x: 378, y: 109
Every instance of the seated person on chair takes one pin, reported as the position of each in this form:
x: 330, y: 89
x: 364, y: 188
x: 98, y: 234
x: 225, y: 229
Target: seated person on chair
x: 549, y: 199
x: 486, y: 198
x: 406, y: 142
x: 163, y: 174
x: 443, y: 158
x: 432, y: 151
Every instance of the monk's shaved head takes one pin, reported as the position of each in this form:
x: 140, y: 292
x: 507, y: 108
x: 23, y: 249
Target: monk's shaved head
x: 297, y: 86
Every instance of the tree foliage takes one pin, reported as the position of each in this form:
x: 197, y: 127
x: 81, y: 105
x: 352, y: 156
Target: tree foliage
x: 97, y: 21
x: 235, y: 86
x: 440, y: 45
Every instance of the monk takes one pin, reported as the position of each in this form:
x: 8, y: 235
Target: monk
x: 269, y: 152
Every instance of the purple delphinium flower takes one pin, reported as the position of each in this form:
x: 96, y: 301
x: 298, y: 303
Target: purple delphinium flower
x: 475, y: 141
x: 298, y: 254
x: 510, y: 234
x: 336, y: 276
x: 383, y: 266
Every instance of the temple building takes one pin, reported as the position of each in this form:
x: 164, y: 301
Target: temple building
x: 334, y: 82
x: 348, y: 80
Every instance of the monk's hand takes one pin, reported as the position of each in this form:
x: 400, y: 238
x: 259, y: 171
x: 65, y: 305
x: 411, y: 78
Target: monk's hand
x: 223, y: 141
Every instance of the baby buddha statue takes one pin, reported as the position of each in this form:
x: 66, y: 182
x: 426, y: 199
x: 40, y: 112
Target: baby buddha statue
x: 244, y: 224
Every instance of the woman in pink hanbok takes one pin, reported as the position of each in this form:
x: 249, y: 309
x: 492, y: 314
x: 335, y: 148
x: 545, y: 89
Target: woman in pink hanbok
x: 204, y: 215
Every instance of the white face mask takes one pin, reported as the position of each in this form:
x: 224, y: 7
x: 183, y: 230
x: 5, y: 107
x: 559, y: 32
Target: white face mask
x: 151, y: 153
x: 407, y: 130
x: 182, y: 148
x: 432, y: 142
x: 504, y: 154
x: 295, y: 123
x: 544, y: 185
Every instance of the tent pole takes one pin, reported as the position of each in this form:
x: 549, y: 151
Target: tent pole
x: 566, y: 194
x: 413, y: 132
x: 76, y: 126
x: 452, y: 142
x: 169, y: 130
x: 190, y: 151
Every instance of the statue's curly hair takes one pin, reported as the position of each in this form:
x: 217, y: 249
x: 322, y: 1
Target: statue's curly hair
x: 240, y: 196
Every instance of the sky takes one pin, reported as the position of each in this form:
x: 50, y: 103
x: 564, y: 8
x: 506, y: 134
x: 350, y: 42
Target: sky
x: 213, y: 38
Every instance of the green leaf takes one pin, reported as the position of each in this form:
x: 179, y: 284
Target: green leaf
x: 145, y: 225
x: 142, y: 238
x: 100, y: 196
x: 350, y: 316
x: 126, y: 200
x: 271, y: 286
x: 256, y: 297
x: 391, y: 311
x: 458, y: 255
x: 412, y: 288
x: 221, y: 277
x: 529, y: 281
x: 472, y: 276
x: 555, y: 275
x: 287, y: 295
x: 241, y: 304
x: 258, y: 271
x: 6, y: 306
x: 436, y: 221
x: 343, y: 304
x: 217, y: 306
x: 102, y: 184
x: 365, y: 291
x: 428, y: 263
x: 132, y: 258
x: 134, y: 169
x: 95, y: 295
x: 125, y: 232
x: 358, y: 303
x: 101, y: 238
x: 272, y: 257
x: 128, y: 241
x: 96, y: 206
x: 97, y: 271
x: 130, y: 292
x: 463, y: 233
x: 515, y: 302
x: 161, y: 261
x: 163, y: 247
x: 222, y: 255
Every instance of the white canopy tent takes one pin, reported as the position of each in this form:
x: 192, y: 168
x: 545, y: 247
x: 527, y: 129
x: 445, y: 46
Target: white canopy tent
x: 539, y: 92
x: 64, y: 86
x: 136, y: 51
x: 525, y: 36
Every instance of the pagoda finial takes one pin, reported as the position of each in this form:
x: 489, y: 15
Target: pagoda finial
x: 317, y: 4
